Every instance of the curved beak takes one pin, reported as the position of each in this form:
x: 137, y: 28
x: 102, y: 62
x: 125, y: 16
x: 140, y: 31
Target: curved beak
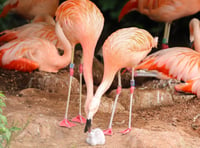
x: 88, y: 125
x: 129, y: 6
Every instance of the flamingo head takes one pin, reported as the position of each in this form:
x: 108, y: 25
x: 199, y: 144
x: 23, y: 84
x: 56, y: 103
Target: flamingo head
x: 128, y: 7
x: 92, y: 109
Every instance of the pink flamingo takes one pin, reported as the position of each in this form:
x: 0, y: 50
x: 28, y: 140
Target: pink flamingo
x: 29, y: 9
x: 123, y: 48
x: 28, y: 54
x: 194, y: 27
x: 40, y: 29
x: 82, y: 22
x: 162, y: 11
x: 180, y: 63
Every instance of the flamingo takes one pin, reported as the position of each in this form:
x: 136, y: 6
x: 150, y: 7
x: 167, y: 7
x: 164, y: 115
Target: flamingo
x: 29, y: 9
x: 194, y: 27
x: 28, y: 54
x: 82, y: 22
x: 124, y: 48
x: 162, y: 11
x: 41, y: 29
x: 180, y: 63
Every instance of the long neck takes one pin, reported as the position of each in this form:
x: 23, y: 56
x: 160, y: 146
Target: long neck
x: 195, y: 24
x: 88, y: 55
x: 66, y: 57
x: 108, y: 77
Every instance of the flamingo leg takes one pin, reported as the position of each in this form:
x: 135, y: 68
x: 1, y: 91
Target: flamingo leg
x: 80, y: 118
x: 166, y: 35
x: 66, y: 122
x: 132, y: 83
x: 109, y: 130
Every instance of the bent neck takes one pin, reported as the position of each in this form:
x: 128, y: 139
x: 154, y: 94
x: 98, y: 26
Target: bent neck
x: 66, y: 57
x: 108, y: 77
x: 88, y: 55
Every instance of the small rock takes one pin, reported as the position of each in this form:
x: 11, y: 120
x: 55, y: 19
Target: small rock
x: 54, y: 83
x: 144, y: 98
x: 107, y: 105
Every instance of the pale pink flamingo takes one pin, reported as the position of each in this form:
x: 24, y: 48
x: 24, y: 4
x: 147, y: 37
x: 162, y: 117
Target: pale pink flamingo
x: 123, y: 48
x: 180, y: 63
x: 162, y: 11
x: 29, y: 9
x: 82, y: 22
x: 40, y: 29
x: 32, y: 53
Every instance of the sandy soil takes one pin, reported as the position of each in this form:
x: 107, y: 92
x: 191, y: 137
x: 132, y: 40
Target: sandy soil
x: 39, y: 110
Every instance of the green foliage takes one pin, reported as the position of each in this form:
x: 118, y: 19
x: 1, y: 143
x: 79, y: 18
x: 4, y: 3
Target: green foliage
x: 5, y: 131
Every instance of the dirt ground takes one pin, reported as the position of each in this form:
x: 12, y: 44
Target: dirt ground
x: 38, y: 111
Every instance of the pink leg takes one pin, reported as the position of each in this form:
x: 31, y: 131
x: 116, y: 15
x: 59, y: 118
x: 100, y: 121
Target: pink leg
x: 65, y: 122
x: 80, y: 118
x: 131, y: 102
x: 109, y: 130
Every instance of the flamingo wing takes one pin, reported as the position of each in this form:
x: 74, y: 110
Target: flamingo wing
x: 15, y: 55
x: 19, y: 64
x: 39, y: 29
x: 179, y: 62
x: 23, y: 64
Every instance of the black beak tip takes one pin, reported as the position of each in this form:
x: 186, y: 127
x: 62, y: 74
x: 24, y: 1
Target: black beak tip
x: 88, y: 125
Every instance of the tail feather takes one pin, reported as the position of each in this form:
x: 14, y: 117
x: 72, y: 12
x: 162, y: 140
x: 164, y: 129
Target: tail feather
x: 8, y: 7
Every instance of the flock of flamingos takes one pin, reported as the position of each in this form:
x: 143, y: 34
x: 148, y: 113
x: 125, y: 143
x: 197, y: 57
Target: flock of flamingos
x: 34, y: 46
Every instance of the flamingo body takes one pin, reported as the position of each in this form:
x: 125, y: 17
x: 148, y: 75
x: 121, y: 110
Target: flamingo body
x: 32, y: 53
x: 180, y: 63
x: 40, y: 29
x: 162, y: 10
x: 123, y: 48
x: 31, y: 8
x: 82, y: 22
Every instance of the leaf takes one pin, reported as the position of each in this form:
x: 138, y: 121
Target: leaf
x: 7, y: 135
x: 2, y: 129
x: 2, y: 95
x: 2, y: 104
x: 3, y: 119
